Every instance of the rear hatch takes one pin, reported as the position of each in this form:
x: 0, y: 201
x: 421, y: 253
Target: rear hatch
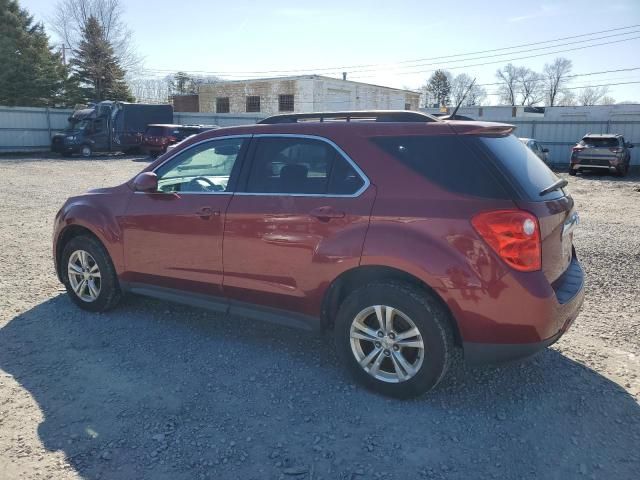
x: 596, y: 150
x: 156, y: 136
x: 528, y: 177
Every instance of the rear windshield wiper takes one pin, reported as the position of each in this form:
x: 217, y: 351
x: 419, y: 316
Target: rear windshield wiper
x: 560, y: 183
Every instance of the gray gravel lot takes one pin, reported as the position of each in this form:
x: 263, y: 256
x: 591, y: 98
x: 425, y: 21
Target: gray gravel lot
x: 155, y: 390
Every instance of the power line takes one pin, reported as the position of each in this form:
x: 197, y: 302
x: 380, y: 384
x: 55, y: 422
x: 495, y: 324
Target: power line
x: 512, y: 59
x: 572, y: 76
x: 586, y: 86
x: 508, y: 53
x: 350, y: 67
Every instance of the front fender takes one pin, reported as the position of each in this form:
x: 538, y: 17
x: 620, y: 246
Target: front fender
x: 97, y: 213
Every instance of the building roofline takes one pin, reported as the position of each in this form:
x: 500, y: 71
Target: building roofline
x: 310, y: 77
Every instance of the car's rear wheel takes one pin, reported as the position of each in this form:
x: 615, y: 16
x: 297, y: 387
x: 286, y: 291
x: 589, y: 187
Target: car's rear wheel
x: 395, y: 338
x: 572, y: 172
x: 88, y: 274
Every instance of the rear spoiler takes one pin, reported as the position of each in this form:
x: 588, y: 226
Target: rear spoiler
x: 486, y: 129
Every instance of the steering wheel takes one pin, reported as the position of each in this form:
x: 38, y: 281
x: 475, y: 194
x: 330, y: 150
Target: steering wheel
x: 210, y: 185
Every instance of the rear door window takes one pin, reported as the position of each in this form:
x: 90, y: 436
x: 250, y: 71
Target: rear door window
x: 301, y: 166
x: 449, y: 161
x: 522, y: 166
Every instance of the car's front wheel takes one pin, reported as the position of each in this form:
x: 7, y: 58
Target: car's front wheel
x: 395, y: 338
x: 89, y: 276
x: 86, y: 151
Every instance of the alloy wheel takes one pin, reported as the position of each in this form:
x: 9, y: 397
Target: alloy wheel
x: 84, y: 276
x: 387, y: 343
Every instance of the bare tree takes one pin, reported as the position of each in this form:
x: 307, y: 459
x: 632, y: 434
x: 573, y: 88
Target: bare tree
x: 530, y: 86
x: 592, y: 95
x: 459, y: 86
x: 556, y: 76
x: 607, y: 100
x: 508, y: 90
x: 71, y: 17
x: 566, y: 99
x: 150, y: 90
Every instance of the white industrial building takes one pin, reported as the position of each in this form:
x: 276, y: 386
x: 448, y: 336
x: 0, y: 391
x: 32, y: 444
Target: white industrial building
x: 305, y: 93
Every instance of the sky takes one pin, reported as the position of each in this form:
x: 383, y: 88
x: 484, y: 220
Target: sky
x: 398, y: 40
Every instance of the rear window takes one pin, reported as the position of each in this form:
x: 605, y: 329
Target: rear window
x: 156, y: 131
x: 599, y: 142
x: 523, y: 166
x: 448, y: 161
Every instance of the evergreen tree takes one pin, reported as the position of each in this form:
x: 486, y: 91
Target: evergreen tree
x: 439, y: 88
x: 96, y: 67
x: 31, y: 74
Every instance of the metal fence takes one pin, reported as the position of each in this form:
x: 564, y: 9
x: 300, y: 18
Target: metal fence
x: 24, y: 129
x: 560, y: 135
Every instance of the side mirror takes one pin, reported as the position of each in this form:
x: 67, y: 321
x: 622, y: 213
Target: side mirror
x: 146, y: 182
x: 629, y: 145
x: 545, y: 150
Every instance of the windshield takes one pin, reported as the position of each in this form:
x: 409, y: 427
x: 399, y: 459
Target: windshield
x: 78, y: 124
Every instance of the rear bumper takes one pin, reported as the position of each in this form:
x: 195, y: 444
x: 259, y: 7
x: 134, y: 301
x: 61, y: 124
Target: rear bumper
x: 569, y: 296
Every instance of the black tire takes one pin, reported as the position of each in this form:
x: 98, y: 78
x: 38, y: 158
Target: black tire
x: 624, y: 171
x: 86, y: 151
x: 110, y: 294
x: 572, y: 172
x: 428, y: 316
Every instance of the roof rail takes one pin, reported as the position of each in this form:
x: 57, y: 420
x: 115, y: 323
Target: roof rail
x: 348, y: 116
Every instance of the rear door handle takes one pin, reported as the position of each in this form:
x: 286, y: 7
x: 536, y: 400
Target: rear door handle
x: 207, y: 212
x: 325, y: 214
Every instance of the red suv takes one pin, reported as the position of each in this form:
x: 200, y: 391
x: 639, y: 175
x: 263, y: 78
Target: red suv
x: 410, y: 237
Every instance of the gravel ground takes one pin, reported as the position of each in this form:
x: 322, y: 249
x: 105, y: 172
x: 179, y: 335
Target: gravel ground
x: 154, y: 390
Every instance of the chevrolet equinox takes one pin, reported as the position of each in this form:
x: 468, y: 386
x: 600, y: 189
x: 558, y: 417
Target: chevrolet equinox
x: 411, y: 237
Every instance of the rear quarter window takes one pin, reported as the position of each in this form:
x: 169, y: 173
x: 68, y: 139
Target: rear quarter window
x: 448, y: 161
x: 524, y: 168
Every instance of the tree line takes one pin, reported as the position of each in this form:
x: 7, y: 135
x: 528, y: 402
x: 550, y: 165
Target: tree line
x: 516, y: 85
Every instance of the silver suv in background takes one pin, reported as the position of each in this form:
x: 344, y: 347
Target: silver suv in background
x: 604, y: 152
x: 539, y: 150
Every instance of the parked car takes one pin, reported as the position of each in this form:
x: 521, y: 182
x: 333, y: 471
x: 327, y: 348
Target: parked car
x: 158, y: 137
x: 603, y: 152
x: 108, y: 127
x: 539, y: 150
x: 412, y: 238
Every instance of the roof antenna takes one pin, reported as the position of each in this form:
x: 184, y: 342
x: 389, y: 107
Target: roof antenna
x: 455, y: 110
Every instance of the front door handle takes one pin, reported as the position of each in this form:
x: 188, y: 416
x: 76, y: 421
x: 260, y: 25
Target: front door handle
x: 207, y: 212
x: 326, y: 213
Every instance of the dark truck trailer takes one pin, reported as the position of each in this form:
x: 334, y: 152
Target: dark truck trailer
x: 109, y: 127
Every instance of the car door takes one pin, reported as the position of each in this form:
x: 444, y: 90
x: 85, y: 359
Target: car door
x: 173, y: 237
x: 298, y: 220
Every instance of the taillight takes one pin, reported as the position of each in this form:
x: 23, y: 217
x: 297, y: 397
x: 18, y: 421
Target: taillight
x: 577, y: 148
x: 514, y: 235
x: 171, y: 139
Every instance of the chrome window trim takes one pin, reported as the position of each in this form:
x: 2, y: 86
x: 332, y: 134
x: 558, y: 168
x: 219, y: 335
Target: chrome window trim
x: 343, y: 154
x: 175, y: 154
